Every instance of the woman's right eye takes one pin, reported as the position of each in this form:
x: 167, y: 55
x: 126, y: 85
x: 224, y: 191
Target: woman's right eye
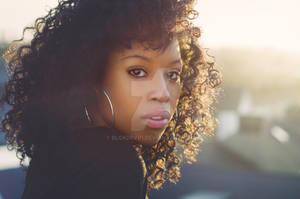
x: 137, y: 72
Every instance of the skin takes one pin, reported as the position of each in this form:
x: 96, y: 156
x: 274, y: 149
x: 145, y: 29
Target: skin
x: 139, y: 81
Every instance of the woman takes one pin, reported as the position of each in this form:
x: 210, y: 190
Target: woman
x: 108, y: 96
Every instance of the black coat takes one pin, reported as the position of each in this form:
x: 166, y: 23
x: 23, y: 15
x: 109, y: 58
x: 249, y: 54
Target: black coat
x: 94, y: 164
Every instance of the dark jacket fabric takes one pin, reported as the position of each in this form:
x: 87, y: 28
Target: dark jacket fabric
x: 95, y: 163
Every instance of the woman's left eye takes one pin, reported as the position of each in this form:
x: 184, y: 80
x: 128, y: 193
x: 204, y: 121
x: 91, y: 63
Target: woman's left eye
x: 174, y: 75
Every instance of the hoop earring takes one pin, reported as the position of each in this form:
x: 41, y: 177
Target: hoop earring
x: 111, y: 106
x: 176, y: 114
x: 87, y: 115
x: 176, y: 119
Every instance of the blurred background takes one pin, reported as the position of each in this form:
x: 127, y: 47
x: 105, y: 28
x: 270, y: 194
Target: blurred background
x: 255, y: 152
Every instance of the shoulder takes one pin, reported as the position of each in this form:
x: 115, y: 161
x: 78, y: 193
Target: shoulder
x: 92, y: 165
x: 111, y: 166
x: 100, y: 144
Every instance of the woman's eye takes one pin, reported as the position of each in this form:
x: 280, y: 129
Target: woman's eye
x: 137, y: 72
x: 174, y: 75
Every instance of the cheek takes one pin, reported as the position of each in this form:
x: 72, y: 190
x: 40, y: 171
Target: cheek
x: 128, y: 116
x: 126, y: 100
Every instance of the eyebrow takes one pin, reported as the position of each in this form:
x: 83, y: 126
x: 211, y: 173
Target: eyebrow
x: 177, y: 61
x: 136, y: 56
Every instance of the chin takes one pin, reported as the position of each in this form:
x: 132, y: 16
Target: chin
x: 148, y: 142
x: 148, y: 136
x: 151, y: 139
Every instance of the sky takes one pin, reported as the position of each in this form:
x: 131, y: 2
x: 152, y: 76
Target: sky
x: 252, y: 23
x: 224, y: 23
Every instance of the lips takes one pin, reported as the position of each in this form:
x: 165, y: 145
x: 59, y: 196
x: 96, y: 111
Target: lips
x: 162, y: 113
x: 157, y: 122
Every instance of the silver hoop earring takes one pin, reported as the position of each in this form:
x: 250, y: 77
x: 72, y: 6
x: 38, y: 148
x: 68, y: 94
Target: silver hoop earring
x: 111, y: 106
x: 87, y: 115
x: 176, y: 119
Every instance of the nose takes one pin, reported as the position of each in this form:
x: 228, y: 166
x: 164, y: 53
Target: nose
x: 160, y: 89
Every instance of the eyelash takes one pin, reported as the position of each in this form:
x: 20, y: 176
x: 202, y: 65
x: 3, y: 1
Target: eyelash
x: 139, y: 69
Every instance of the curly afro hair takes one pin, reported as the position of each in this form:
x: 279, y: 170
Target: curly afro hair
x: 45, y: 76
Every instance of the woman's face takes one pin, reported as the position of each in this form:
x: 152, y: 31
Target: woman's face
x: 141, y: 83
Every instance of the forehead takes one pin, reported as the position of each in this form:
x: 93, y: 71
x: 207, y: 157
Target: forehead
x: 172, y: 49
